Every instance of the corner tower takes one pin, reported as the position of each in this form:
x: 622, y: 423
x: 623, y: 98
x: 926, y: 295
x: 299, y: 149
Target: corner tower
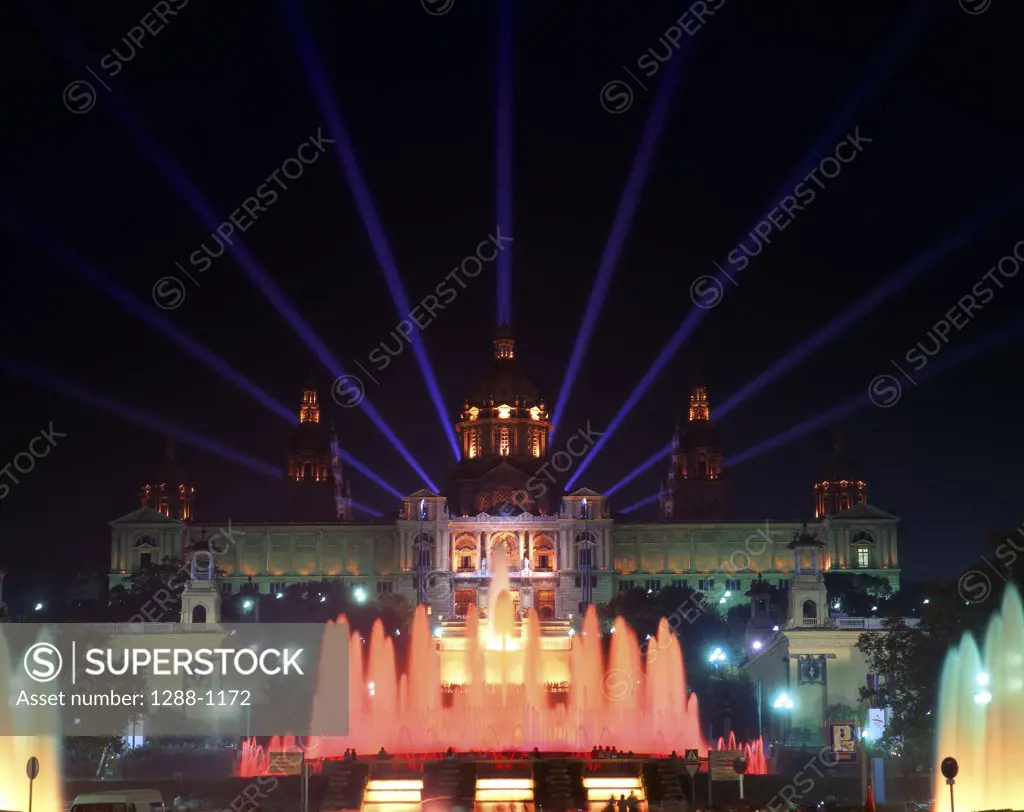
x: 318, y: 490
x: 171, y: 493
x: 503, y: 433
x: 841, y: 487
x: 695, y: 488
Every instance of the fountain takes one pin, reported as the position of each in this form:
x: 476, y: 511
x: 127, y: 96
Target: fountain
x: 497, y: 683
x: 16, y: 750
x: 981, y: 715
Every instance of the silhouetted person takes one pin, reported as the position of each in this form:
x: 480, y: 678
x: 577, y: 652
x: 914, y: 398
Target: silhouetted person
x: 622, y: 804
x: 610, y: 806
x: 633, y: 803
x: 382, y: 755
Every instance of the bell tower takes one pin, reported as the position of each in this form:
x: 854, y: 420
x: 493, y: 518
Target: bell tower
x: 695, y: 489
x: 318, y: 491
x: 808, y: 599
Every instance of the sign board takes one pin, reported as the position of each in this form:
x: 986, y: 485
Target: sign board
x: 692, y: 767
x: 720, y: 764
x: 32, y: 768
x: 285, y: 764
x: 842, y: 740
x: 691, y: 755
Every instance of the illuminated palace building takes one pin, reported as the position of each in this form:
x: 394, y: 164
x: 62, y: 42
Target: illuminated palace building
x: 563, y: 550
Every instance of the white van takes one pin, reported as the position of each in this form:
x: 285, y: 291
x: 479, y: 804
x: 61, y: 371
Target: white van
x: 120, y: 800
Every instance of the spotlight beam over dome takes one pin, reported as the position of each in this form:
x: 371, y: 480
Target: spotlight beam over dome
x: 907, y: 273
x: 503, y: 148
x: 346, y: 153
x: 993, y: 340
x: 188, y: 192
x: 47, y: 243
x: 837, y: 125
x: 642, y: 161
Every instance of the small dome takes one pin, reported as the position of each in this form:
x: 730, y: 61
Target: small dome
x: 505, y: 381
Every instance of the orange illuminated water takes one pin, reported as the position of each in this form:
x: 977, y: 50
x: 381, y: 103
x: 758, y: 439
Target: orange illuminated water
x: 15, y: 751
x: 496, y: 694
x: 981, y: 715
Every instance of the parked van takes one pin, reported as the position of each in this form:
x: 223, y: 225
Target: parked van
x: 120, y: 800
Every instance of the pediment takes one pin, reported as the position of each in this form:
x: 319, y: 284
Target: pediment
x: 145, y: 515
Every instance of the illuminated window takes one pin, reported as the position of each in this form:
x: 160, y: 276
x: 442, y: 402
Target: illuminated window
x: 864, y: 558
x: 504, y: 442
x: 466, y: 562
x: 474, y: 444
x: 535, y: 442
x: 474, y: 413
x: 535, y: 413
x: 504, y: 411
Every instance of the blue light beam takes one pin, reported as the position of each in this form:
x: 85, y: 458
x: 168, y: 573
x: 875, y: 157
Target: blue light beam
x: 47, y: 243
x: 503, y: 148
x: 187, y: 191
x: 628, y: 202
x: 838, y: 124
x: 854, y: 404
x: 924, y: 262
x: 364, y: 203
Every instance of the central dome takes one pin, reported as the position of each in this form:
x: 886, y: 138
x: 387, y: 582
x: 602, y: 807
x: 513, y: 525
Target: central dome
x: 505, y: 381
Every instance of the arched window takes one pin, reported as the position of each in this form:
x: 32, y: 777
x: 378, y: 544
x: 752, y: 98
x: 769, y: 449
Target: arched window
x: 307, y: 472
x: 508, y: 544
x: 810, y: 611
x: 466, y: 554
x: 199, y: 614
x: 702, y: 469
x: 543, y: 554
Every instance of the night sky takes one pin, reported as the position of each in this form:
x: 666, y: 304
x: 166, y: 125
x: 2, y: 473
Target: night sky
x: 223, y: 90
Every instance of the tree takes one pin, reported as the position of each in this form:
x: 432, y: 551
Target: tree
x: 905, y: 662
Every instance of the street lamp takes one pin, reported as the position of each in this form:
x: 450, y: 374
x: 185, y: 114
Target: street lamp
x: 782, y: 702
x: 717, y: 656
x: 359, y: 594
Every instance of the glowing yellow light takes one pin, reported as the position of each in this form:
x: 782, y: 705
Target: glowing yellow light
x: 504, y: 783
x: 484, y: 795
x: 619, y: 782
x: 504, y: 411
x: 535, y: 413
x: 474, y: 413
x: 392, y: 796
x: 404, y: 784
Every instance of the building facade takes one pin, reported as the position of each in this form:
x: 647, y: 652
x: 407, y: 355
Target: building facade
x: 564, y: 550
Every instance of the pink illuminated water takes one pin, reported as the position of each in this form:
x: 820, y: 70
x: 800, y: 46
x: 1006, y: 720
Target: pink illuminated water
x: 507, y: 686
x: 981, y: 715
